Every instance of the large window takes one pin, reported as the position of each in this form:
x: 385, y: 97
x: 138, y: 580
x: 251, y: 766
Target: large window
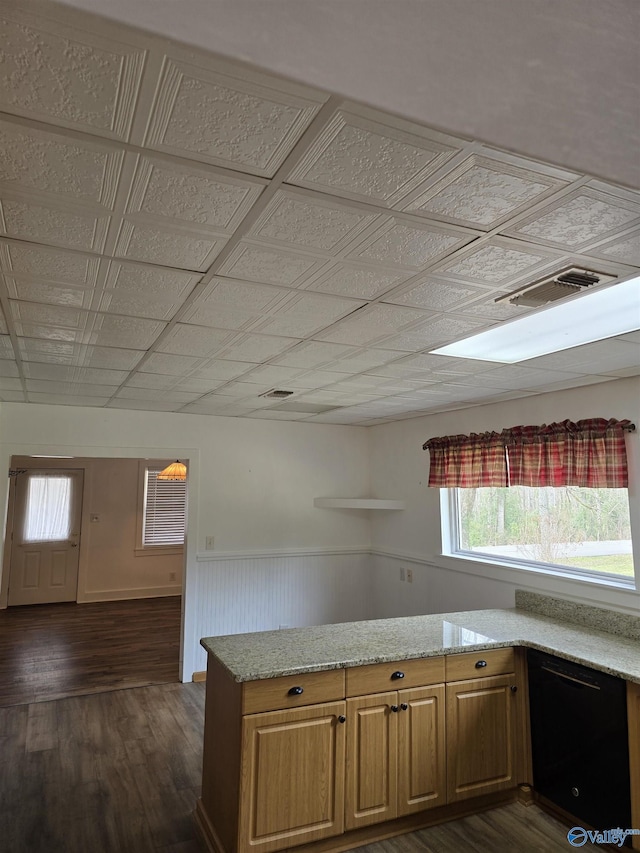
x: 164, y: 510
x: 580, y: 529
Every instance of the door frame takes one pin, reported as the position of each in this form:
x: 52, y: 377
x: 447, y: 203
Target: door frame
x: 57, y: 455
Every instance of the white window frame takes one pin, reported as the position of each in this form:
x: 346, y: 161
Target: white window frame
x: 141, y: 548
x: 450, y: 548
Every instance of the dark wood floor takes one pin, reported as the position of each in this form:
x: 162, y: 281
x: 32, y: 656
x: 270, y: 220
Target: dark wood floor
x: 120, y: 772
x: 48, y: 651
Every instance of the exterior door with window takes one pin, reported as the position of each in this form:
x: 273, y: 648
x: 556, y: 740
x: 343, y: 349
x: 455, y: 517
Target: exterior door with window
x: 45, y: 537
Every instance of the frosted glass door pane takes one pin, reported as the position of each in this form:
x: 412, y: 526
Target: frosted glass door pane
x: 48, y: 511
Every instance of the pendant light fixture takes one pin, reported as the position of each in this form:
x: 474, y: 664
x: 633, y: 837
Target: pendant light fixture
x: 176, y: 471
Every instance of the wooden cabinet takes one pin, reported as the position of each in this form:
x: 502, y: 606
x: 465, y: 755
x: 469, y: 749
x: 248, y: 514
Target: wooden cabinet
x: 633, y: 717
x: 292, y: 777
x: 395, y: 754
x: 481, y: 736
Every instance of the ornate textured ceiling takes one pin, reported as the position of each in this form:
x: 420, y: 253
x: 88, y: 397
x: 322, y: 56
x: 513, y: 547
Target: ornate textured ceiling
x: 184, y: 234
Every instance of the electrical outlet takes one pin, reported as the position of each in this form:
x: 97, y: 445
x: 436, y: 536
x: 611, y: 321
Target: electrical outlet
x: 402, y: 574
x: 409, y: 575
x: 209, y: 543
x: 172, y: 576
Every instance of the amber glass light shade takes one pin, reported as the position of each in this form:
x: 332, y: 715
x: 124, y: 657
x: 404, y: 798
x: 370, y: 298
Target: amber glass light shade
x: 176, y: 471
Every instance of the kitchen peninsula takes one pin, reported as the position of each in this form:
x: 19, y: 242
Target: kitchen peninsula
x: 329, y: 737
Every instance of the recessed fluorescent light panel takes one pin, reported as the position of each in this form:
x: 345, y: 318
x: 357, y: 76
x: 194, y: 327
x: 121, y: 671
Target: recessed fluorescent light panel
x: 582, y: 319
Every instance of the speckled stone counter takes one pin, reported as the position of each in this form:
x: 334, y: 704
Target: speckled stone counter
x: 268, y: 654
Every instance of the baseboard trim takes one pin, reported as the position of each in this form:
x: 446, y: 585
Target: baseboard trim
x: 123, y: 594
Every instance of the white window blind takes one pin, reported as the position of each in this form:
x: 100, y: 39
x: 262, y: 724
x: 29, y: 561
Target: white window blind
x: 164, y: 510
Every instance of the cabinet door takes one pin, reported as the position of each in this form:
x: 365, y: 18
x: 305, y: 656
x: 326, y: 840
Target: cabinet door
x: 292, y: 783
x: 371, y: 759
x: 421, y: 749
x: 480, y: 736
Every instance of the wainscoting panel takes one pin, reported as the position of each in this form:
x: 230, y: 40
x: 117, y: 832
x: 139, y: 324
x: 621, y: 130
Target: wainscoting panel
x: 267, y: 592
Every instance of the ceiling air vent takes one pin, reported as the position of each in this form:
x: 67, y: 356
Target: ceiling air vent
x: 567, y: 282
x: 276, y: 394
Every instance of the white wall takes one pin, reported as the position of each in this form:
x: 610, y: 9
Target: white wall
x: 412, y: 538
x: 251, y: 486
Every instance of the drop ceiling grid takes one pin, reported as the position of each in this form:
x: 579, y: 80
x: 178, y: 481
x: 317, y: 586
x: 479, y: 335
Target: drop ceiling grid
x: 143, y: 184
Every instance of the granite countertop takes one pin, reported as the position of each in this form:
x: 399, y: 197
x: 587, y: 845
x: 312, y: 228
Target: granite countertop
x: 268, y: 654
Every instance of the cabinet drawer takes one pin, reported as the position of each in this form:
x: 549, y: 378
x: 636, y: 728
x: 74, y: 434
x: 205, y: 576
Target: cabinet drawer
x: 292, y: 691
x: 379, y: 677
x: 479, y: 664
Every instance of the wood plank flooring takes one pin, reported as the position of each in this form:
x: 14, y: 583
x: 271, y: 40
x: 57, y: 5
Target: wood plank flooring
x: 120, y: 772
x: 48, y: 651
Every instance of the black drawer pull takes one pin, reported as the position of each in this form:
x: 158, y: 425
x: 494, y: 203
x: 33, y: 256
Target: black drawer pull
x: 342, y: 719
x: 395, y: 709
x: 480, y: 664
x: 514, y: 688
x: 296, y: 691
x: 404, y: 706
x: 396, y: 675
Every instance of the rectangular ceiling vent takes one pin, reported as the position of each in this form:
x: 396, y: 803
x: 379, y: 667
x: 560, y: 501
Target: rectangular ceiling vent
x: 276, y: 394
x: 557, y: 286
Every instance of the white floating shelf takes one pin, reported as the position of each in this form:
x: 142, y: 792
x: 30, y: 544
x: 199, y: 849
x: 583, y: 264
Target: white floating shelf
x: 356, y: 503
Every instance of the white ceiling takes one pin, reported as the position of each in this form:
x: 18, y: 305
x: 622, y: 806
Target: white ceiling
x: 182, y: 233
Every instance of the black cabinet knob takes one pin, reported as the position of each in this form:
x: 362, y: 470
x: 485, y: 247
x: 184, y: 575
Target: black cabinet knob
x: 296, y: 691
x: 480, y: 664
x: 395, y: 709
x: 342, y: 719
x: 514, y: 688
x: 404, y: 706
x: 396, y: 675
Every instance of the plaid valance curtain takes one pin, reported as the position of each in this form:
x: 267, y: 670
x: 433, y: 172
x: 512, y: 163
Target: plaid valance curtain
x: 588, y: 453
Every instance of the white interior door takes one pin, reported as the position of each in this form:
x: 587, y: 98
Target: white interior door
x: 46, y: 536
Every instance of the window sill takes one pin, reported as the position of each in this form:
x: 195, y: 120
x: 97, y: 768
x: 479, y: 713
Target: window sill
x: 563, y: 573
x: 158, y: 550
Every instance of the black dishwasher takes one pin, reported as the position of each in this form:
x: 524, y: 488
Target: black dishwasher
x: 579, y: 740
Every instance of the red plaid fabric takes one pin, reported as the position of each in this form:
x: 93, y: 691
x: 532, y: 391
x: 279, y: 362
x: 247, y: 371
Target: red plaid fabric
x: 589, y: 453
x: 467, y: 461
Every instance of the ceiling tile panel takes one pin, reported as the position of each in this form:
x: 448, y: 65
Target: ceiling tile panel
x: 272, y: 375
x: 202, y: 313
x: 150, y: 282
x: 129, y: 332
x: 410, y: 247
x: 195, y: 341
x: 625, y: 250
x: 139, y: 394
x: 345, y: 279
x: 361, y: 159
x: 33, y: 290
x: 373, y: 324
x: 579, y: 219
x: 482, y: 193
x: 67, y: 76
x: 7, y: 368
x: 53, y: 352
x: 433, y: 295
x: 313, y: 354
x: 255, y: 262
x: 314, y: 379
x: 53, y: 224
x: 57, y: 165
x: 445, y: 328
x: 310, y: 222
x: 364, y: 359
x: 230, y: 304
x: 226, y: 120
x: 171, y: 191
x: 496, y: 262
x: 70, y: 400
x: 175, y: 365
x: 110, y: 357
x: 218, y: 370
x: 305, y: 313
x: 145, y: 405
x: 256, y: 348
x: 25, y: 261
x: 168, y: 246
x: 65, y: 388
x: 155, y: 381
